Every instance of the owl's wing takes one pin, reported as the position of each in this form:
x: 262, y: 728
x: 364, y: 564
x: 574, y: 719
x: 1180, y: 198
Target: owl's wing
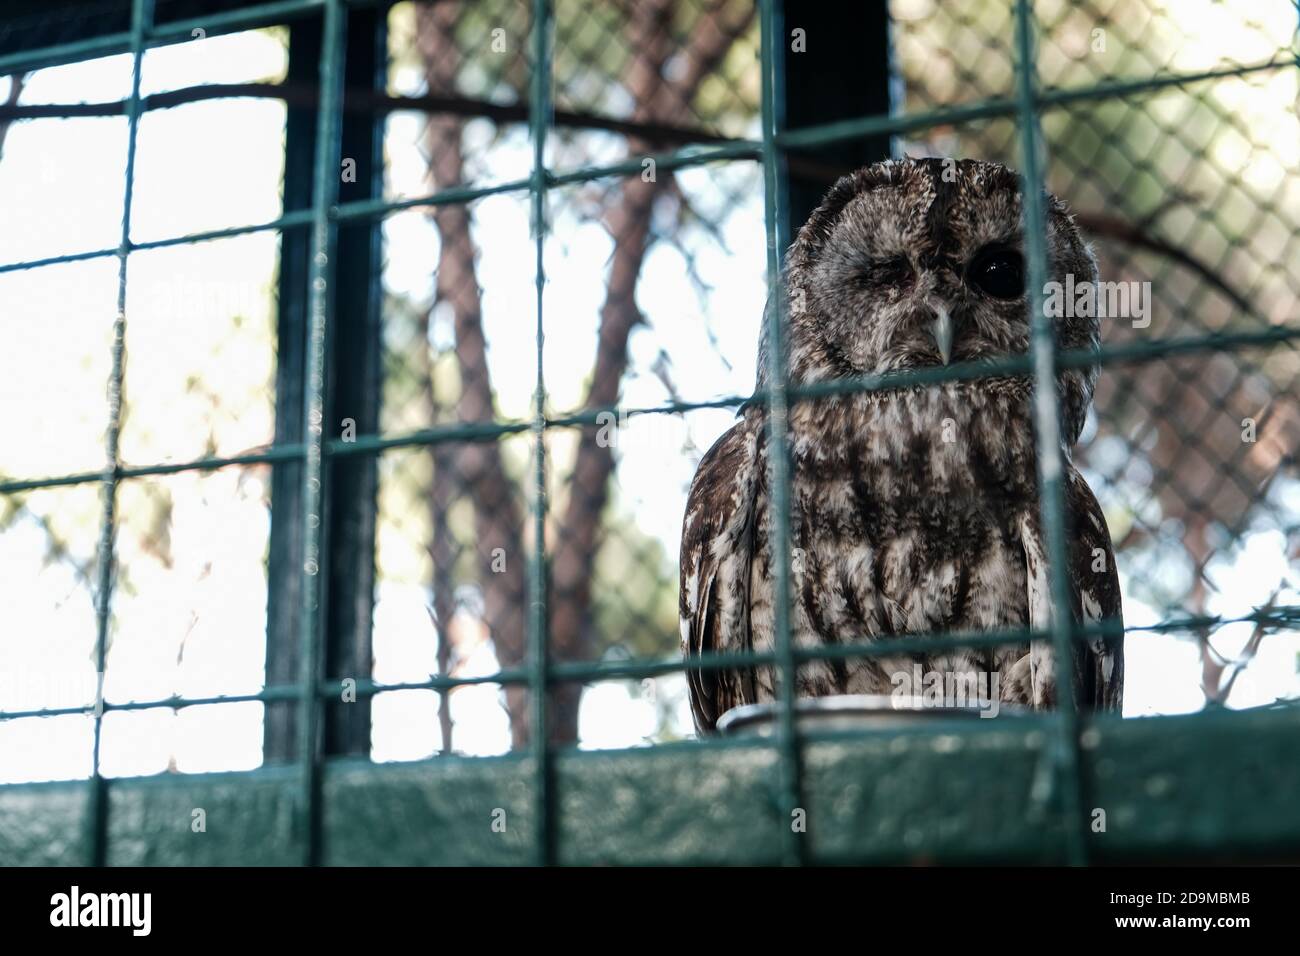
x: 717, y: 548
x: 1098, y: 660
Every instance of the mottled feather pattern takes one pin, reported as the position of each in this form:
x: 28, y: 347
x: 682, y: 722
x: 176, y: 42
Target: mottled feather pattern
x: 717, y: 545
x: 913, y: 510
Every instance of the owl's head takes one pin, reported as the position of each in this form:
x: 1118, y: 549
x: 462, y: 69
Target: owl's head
x: 919, y: 262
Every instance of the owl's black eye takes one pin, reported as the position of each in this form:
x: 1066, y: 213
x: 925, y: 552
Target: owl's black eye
x: 999, y: 273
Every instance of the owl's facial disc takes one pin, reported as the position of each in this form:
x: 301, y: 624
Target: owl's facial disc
x: 918, y: 263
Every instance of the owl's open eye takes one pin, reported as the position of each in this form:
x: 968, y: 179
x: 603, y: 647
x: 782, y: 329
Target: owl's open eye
x: 998, y: 272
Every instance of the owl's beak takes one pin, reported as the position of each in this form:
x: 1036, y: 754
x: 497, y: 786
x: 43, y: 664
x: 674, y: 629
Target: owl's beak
x: 941, y: 331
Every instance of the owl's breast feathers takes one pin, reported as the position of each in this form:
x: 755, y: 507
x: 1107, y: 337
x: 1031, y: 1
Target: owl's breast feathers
x: 911, y: 512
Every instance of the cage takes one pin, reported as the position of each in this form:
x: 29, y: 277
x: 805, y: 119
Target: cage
x: 361, y: 355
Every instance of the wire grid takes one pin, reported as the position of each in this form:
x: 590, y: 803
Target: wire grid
x: 1022, y: 105
x: 601, y: 539
x: 1157, y: 190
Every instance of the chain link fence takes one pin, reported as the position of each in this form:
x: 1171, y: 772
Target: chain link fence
x: 1171, y: 133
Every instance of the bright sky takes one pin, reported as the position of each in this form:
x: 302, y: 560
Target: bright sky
x: 189, y: 614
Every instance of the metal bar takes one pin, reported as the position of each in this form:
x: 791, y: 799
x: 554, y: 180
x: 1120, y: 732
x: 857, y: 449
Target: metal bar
x: 454, y: 195
x: 59, y: 260
x: 18, y: 486
x: 141, y: 17
x: 267, y: 14
x: 285, y: 692
x: 457, y: 432
x: 589, y: 671
x: 175, y: 31
x: 1065, y: 753
x: 60, y: 54
x: 822, y: 135
x: 682, y: 158
x: 245, y: 18
x: 786, y: 739
x: 543, y: 773
x: 355, y: 375
x: 284, y: 556
x: 487, y: 431
x: 272, y: 454
x: 961, y: 371
x: 1073, y: 358
x: 1005, y: 106
x: 292, y: 220
x: 324, y: 229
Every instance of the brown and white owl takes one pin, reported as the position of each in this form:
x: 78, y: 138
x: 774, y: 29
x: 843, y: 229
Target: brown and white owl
x: 913, y: 510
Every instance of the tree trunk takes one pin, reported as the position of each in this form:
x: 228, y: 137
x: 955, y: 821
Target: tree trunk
x: 576, y: 536
x: 478, y: 465
x: 657, y: 98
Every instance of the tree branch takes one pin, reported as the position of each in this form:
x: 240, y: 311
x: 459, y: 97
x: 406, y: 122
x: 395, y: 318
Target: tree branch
x: 364, y: 101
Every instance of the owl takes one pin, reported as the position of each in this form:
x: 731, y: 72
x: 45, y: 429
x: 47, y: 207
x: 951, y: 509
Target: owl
x: 913, y: 509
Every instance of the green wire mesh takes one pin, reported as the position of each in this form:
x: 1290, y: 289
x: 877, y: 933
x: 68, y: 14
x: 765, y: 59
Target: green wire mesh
x: 511, y: 494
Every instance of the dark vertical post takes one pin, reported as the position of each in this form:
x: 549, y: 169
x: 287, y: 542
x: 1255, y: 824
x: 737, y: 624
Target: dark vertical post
x: 325, y: 176
x: 354, y: 378
x: 285, y: 555
x: 353, y: 387
x: 843, y: 72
